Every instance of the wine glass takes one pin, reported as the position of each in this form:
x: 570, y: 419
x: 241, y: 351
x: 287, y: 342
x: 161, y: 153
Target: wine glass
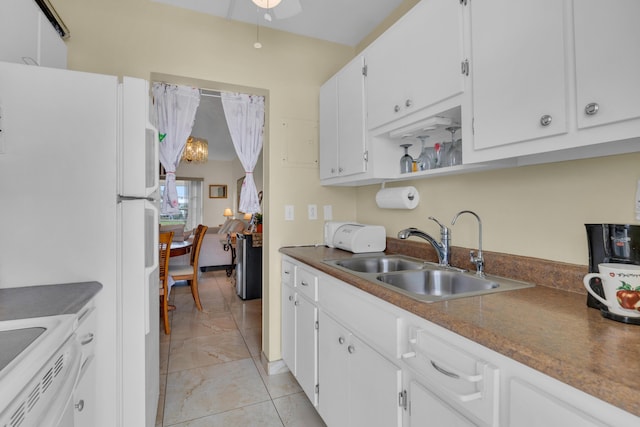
x: 406, y: 161
x: 453, y: 154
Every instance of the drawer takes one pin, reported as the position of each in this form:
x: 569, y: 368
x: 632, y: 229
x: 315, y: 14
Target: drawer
x: 466, y: 382
x: 288, y: 273
x: 307, y: 283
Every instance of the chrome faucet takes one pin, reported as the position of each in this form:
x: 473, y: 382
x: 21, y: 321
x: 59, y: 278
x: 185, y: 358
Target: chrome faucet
x: 442, y: 247
x: 477, y: 260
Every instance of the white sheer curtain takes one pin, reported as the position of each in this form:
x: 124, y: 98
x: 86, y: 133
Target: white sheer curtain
x: 175, y: 111
x: 245, y: 118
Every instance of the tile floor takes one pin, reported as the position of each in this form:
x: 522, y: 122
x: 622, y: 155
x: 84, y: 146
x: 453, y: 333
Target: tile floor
x: 210, y: 370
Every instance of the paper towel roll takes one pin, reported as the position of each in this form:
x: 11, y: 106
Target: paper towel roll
x: 398, y: 198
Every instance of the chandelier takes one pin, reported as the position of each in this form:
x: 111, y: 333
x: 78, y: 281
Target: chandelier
x: 266, y: 4
x: 196, y: 150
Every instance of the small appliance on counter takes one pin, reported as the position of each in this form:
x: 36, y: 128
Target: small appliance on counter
x: 611, y: 243
x: 356, y: 238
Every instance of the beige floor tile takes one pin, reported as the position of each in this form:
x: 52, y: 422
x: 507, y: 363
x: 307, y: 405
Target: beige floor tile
x: 259, y: 415
x: 296, y: 411
x: 206, y: 350
x: 277, y: 385
x: 200, y: 392
x: 253, y: 339
x: 200, y: 323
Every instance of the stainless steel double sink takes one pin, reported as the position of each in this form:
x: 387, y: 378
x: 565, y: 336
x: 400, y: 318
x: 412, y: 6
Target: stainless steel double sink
x: 422, y: 280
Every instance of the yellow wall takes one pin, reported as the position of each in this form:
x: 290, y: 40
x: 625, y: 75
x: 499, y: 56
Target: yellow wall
x: 140, y: 37
x: 537, y: 211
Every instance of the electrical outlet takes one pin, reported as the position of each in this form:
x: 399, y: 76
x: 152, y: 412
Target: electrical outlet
x: 328, y: 212
x: 288, y: 213
x: 313, y: 211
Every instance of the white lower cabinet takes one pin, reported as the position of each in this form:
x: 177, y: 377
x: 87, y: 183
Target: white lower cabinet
x: 358, y: 386
x: 426, y: 410
x: 299, y: 327
x: 531, y: 407
x: 84, y: 395
x: 376, y: 365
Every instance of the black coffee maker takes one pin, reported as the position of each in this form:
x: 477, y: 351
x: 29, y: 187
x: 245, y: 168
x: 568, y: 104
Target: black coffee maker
x: 616, y: 243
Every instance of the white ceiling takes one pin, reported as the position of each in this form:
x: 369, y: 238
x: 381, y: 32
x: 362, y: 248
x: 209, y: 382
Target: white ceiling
x: 340, y: 21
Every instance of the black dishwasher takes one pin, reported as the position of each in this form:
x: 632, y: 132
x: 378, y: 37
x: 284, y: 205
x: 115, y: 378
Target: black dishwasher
x: 248, y: 267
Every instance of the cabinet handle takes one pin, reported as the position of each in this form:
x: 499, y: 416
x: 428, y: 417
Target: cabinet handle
x: 591, y: 109
x: 290, y: 297
x: 340, y: 170
x: 546, y: 120
x: 351, y: 349
x: 86, y: 339
x: 396, y: 109
x: 80, y: 405
x: 408, y: 103
x: 303, y: 283
x: 287, y: 272
x: 341, y: 340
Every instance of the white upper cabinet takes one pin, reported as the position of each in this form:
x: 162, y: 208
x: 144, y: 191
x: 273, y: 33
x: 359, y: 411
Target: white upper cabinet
x: 416, y: 63
x: 342, y: 123
x: 26, y: 36
x: 552, y: 80
x: 607, y: 56
x: 518, y: 70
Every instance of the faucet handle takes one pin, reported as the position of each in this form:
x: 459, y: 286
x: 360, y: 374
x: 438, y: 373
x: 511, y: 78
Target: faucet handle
x: 444, y: 230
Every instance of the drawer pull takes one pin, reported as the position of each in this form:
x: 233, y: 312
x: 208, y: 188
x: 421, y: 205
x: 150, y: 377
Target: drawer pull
x: 451, y: 372
x: 444, y: 371
x: 80, y: 405
x: 351, y: 349
x: 86, y: 339
x: 341, y: 340
x: 303, y: 283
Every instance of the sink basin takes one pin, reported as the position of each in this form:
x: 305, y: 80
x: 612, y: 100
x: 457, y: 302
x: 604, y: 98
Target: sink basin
x: 379, y: 264
x: 422, y: 280
x: 441, y: 284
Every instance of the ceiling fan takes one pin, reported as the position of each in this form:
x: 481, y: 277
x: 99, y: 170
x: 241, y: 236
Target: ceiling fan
x: 281, y: 9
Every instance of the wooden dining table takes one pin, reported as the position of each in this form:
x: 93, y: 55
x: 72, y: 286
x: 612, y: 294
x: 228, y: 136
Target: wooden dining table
x: 180, y: 248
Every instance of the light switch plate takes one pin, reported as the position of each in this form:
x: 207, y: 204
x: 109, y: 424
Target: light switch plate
x: 313, y: 211
x: 288, y: 213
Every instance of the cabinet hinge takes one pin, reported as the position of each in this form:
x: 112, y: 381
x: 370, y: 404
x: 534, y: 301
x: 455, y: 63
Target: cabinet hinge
x: 464, y: 67
x: 463, y: 2
x: 473, y: 126
x: 317, y: 388
x: 365, y: 156
x: 317, y: 325
x: 402, y: 400
x: 364, y: 70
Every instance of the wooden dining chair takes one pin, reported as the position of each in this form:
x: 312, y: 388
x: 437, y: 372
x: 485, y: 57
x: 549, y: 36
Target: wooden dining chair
x: 190, y: 272
x: 164, y: 247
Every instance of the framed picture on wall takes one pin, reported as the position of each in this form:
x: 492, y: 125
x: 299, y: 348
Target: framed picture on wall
x: 218, y: 191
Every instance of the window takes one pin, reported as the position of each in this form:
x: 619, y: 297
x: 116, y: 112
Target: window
x: 189, y: 203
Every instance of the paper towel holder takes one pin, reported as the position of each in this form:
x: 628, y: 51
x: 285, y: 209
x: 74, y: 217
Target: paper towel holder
x: 411, y: 195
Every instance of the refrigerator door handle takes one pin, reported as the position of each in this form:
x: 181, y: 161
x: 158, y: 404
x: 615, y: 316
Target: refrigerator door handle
x: 152, y: 269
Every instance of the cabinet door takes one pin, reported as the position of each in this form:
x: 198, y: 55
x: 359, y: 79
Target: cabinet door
x: 416, y: 63
x: 19, y: 30
x: 307, y: 347
x: 288, y: 328
x: 426, y: 410
x: 329, y: 128
x: 351, y: 119
x: 334, y: 372
x: 374, y: 387
x: 607, y: 43
x: 53, y: 51
x: 518, y: 71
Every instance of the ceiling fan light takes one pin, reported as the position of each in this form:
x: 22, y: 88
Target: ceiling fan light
x: 266, y: 4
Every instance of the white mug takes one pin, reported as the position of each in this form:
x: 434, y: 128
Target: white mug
x: 621, y: 285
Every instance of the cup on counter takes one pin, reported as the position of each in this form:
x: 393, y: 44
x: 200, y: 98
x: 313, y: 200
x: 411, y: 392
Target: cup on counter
x: 621, y: 286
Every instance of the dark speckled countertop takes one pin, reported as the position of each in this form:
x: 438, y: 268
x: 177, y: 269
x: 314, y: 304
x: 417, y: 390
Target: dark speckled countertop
x: 546, y: 328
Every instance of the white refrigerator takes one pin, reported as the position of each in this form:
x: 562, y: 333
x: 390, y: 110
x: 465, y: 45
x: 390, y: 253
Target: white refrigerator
x: 78, y: 194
